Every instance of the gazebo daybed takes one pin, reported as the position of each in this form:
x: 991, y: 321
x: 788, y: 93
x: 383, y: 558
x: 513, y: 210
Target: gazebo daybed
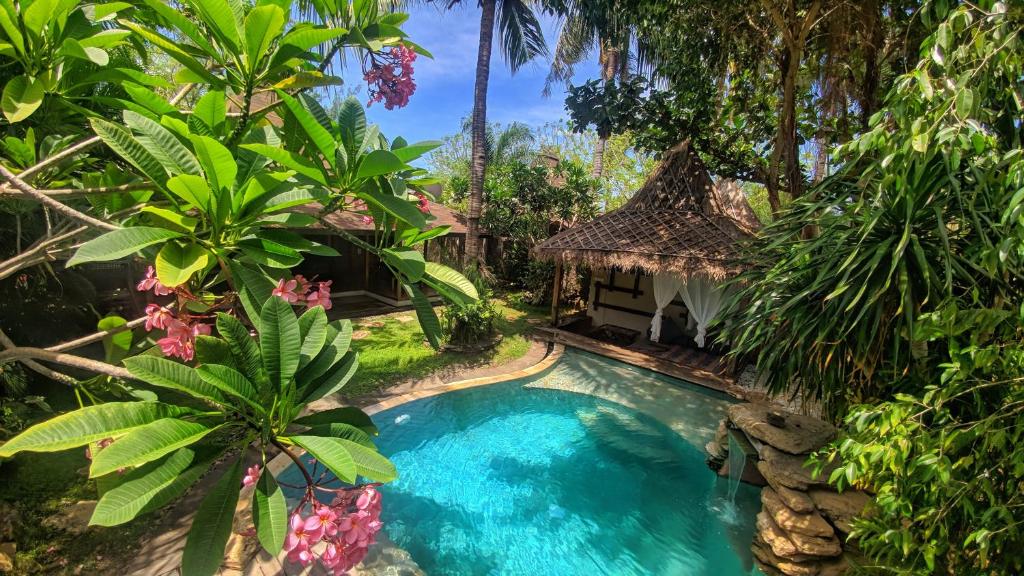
x: 664, y: 254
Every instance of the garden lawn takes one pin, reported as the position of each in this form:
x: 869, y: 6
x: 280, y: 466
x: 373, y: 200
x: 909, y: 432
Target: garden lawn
x: 393, y: 349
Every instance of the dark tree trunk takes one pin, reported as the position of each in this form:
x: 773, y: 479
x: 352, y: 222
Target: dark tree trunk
x: 609, y: 68
x: 872, y: 18
x: 478, y: 165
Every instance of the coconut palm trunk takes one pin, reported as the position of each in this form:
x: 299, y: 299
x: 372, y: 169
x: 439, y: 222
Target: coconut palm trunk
x: 478, y: 162
x: 609, y: 68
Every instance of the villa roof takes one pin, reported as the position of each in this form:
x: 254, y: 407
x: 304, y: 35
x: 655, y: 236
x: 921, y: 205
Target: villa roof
x: 680, y: 221
x: 351, y: 221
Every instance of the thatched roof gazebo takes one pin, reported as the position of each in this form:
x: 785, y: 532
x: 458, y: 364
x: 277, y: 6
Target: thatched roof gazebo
x: 680, y: 227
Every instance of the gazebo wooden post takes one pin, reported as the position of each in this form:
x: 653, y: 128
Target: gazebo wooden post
x: 556, y: 293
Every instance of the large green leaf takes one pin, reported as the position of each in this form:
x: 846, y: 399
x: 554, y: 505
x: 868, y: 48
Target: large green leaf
x: 121, y: 141
x: 211, y: 528
x: 425, y: 313
x: 346, y: 415
x: 192, y: 189
x: 334, y: 380
x: 331, y: 453
x: 243, y: 347
x: 279, y: 341
x: 449, y: 283
x: 196, y: 68
x: 148, y: 488
x: 313, y: 331
x: 288, y: 159
x: 120, y: 243
x: 379, y: 163
x: 211, y: 110
x: 342, y: 430
x: 232, y: 382
x: 317, y: 134
x: 395, y: 206
x: 370, y: 463
x: 89, y: 424
x: 413, y: 151
x: 21, y: 97
x: 147, y: 443
x: 270, y: 513
x: 115, y: 346
x: 339, y: 337
x: 263, y: 25
x: 217, y: 162
x: 212, y: 350
x: 269, y: 253
x: 174, y: 375
x: 162, y: 144
x: 305, y: 38
x: 175, y: 263
x: 408, y: 261
x: 222, y: 21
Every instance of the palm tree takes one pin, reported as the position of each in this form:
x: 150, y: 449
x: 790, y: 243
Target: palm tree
x: 505, y: 145
x: 520, y: 39
x: 583, y: 28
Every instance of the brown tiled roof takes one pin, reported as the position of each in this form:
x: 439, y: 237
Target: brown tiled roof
x: 443, y: 216
x: 675, y: 223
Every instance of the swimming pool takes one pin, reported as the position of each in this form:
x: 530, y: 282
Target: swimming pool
x: 532, y: 477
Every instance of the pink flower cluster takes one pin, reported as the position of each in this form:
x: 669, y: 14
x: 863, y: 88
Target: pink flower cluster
x: 180, y: 340
x: 389, y: 78
x: 423, y: 204
x: 252, y: 475
x: 299, y: 290
x: 347, y: 528
x: 150, y: 282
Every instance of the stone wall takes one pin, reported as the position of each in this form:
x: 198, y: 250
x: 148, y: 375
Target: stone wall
x: 803, y: 523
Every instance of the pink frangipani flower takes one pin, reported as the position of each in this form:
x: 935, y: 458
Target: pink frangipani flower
x: 157, y: 317
x: 252, y: 475
x: 286, y: 289
x: 150, y: 282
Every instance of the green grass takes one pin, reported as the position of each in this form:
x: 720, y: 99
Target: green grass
x: 395, y: 350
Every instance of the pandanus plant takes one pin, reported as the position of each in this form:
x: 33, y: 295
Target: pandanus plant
x: 245, y: 390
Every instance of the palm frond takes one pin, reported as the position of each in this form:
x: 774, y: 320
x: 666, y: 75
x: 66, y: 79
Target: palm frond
x: 575, y: 42
x: 520, y: 36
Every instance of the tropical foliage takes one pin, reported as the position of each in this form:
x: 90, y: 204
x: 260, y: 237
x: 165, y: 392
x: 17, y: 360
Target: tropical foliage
x: 206, y: 189
x: 900, y: 310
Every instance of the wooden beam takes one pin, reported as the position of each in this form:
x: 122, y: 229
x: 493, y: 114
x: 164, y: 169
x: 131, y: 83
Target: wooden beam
x: 556, y: 293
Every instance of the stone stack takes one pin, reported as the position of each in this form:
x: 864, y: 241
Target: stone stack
x: 803, y: 522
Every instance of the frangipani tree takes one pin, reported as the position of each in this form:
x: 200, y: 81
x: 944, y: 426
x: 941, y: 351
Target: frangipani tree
x: 205, y: 195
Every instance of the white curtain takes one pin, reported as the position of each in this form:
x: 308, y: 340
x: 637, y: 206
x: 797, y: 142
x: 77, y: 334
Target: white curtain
x: 665, y: 288
x: 703, y: 296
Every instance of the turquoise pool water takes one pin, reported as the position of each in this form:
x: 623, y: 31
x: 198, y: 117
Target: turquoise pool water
x: 516, y: 478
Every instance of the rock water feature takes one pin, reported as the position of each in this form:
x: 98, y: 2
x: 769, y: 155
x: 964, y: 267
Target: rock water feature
x: 803, y: 523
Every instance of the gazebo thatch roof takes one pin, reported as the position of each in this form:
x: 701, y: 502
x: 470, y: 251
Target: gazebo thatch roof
x: 679, y: 222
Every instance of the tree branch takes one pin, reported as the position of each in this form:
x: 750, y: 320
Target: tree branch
x: 37, y: 367
x: 31, y: 192
x: 95, y: 337
x: 23, y: 353
x: 37, y: 253
x: 75, y: 192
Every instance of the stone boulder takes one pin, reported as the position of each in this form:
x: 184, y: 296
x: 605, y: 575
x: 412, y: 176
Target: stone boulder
x: 840, y: 509
x: 809, y: 524
x: 800, y: 435
x: 795, y: 499
x: 778, y: 467
x: 793, y: 545
x: 74, y: 519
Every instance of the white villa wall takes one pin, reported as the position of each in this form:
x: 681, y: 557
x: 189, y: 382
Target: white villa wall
x: 644, y: 302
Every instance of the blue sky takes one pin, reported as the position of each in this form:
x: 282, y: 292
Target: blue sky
x: 444, y: 93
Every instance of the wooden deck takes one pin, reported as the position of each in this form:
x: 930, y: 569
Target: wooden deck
x: 688, y: 364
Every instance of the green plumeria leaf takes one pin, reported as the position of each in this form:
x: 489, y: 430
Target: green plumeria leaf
x: 147, y: 443
x: 425, y: 313
x: 21, y: 97
x: 407, y: 261
x: 174, y: 375
x: 89, y: 424
x: 279, y: 341
x: 331, y: 453
x: 148, y: 488
x: 334, y: 380
x: 344, y: 431
x: 244, y: 349
x: 231, y: 382
x: 449, y: 283
x: 338, y: 340
x: 370, y: 463
x: 346, y: 414
x: 211, y: 528
x: 379, y: 163
x: 175, y: 263
x: 270, y: 513
x: 120, y: 243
